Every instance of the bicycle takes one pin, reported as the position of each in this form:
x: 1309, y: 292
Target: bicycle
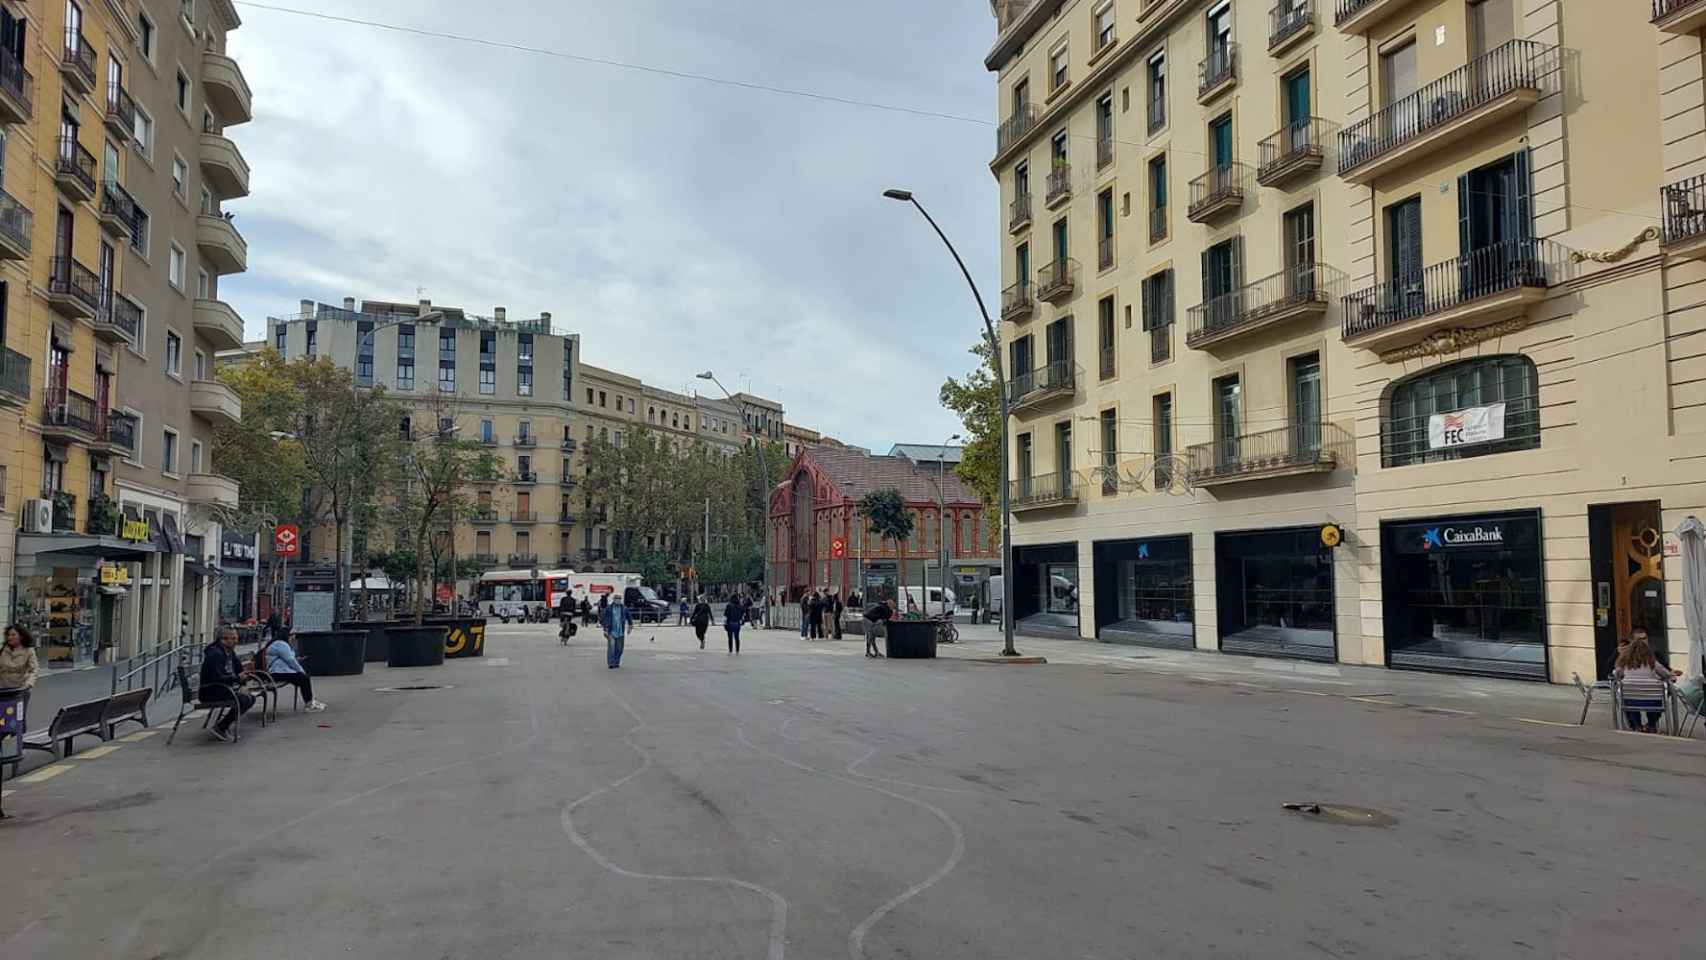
x: 946, y: 632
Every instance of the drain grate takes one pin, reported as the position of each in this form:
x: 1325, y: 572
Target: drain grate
x: 412, y: 687
x: 1342, y: 815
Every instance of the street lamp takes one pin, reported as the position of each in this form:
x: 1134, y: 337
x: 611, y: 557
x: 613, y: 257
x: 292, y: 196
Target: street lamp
x: 1007, y: 650
x: 942, y: 519
x: 764, y: 483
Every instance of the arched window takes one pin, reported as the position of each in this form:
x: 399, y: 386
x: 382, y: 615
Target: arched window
x: 1465, y: 409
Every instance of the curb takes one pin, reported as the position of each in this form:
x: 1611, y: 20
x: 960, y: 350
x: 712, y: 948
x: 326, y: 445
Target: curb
x: 1012, y: 661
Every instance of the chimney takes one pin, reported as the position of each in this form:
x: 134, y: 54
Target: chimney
x: 499, y: 314
x: 545, y: 315
x: 426, y: 307
x: 349, y: 304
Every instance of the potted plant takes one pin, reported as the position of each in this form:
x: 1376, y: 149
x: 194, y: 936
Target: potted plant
x: 103, y: 516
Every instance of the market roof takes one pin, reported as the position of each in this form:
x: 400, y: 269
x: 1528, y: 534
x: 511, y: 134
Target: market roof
x: 921, y: 453
x: 857, y: 473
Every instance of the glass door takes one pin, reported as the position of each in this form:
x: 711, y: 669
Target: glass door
x: 1300, y: 251
x: 1306, y: 405
x: 1398, y: 83
x: 1226, y: 420
x: 1024, y: 465
x: 1220, y: 142
x: 1296, y: 95
x: 1063, y: 457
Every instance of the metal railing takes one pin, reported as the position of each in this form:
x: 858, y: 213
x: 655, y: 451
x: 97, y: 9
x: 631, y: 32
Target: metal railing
x: 121, y: 431
x: 80, y: 56
x: 1490, y: 270
x: 1513, y: 65
x: 1016, y: 301
x: 68, y: 278
x: 1058, y: 375
x: 526, y: 440
x: 567, y: 483
x: 1404, y: 439
x: 16, y: 82
x: 1684, y: 207
x: 485, y: 559
x: 1215, y: 186
x: 524, y: 559
x: 1347, y: 9
x: 1287, y: 19
x: 566, y: 518
x: 1296, y: 141
x: 76, y: 162
x: 1256, y: 301
x: 158, y: 669
x: 1157, y: 223
x: 16, y: 221
x: 1059, y: 183
x: 1297, y: 444
x: 1047, y: 488
x: 121, y: 108
x: 1014, y: 128
x: 1104, y: 150
x: 1104, y: 253
x: 71, y: 410
x: 570, y: 444
x: 1157, y: 113
x: 1057, y: 279
x: 123, y: 314
x: 64, y: 509
x: 1108, y: 362
x: 1161, y: 341
x: 116, y: 201
x: 1664, y: 8
x: 525, y: 477
x: 482, y: 515
x: 523, y: 516
x: 14, y: 374
x: 1220, y: 66
x: 1019, y: 211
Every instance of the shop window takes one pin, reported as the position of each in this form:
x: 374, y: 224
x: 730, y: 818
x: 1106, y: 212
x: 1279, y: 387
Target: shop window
x: 1467, y: 409
x: 1274, y: 591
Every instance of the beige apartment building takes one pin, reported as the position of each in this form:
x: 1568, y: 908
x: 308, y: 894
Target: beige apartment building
x: 1434, y: 403
x: 117, y: 164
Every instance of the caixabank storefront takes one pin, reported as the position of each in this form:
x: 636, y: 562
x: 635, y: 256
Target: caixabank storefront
x: 1466, y: 594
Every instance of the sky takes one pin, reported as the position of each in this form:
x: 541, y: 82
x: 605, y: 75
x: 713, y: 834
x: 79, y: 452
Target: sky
x: 675, y: 224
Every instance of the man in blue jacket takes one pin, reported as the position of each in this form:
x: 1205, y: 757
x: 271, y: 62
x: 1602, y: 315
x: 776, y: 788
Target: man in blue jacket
x: 220, y: 679
x: 616, y: 621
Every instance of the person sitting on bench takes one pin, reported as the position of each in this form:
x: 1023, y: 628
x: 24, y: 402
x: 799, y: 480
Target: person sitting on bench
x: 280, y: 663
x: 220, y: 674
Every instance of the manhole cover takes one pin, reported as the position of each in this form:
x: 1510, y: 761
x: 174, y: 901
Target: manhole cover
x: 411, y: 687
x: 1341, y: 815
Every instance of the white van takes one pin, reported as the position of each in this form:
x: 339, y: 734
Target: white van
x: 935, y: 608
x: 996, y: 597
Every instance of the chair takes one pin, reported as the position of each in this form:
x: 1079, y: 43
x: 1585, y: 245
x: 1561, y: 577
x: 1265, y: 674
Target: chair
x: 1647, y: 694
x: 1587, y: 690
x: 193, y: 702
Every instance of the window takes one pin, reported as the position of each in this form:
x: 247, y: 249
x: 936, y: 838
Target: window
x: 110, y: 172
x: 1021, y: 358
x: 183, y: 93
x: 1110, y: 453
x: 1022, y: 265
x: 1162, y: 413
x: 1222, y: 278
x: 1219, y: 24
x: 1057, y: 69
x: 406, y: 340
x: 1430, y: 416
x: 1294, y: 101
x: 488, y: 434
x: 1158, y: 314
x: 175, y: 267
x: 1157, y: 83
x: 1103, y: 26
x: 280, y: 333
x: 169, y: 451
x: 313, y: 339
x: 589, y: 396
x: 488, y: 381
x: 186, y: 8
x: 1063, y: 454
x: 524, y: 382
x: 203, y: 285
x: 1105, y: 229
x: 1105, y: 336
x: 1494, y: 212
x: 406, y: 374
x: 174, y: 354
x: 1105, y: 131
x: 1220, y: 141
x: 139, y: 226
x: 195, y: 456
x: 144, y: 132
x: 601, y: 398
x: 447, y: 346
x: 200, y: 365
x: 207, y: 207
x: 524, y: 429
x: 1305, y: 377
x: 1061, y: 248
x: 1158, y: 198
x: 446, y: 377
x: 1022, y: 182
x: 630, y: 404
x: 1227, y: 421
x: 1398, y: 84
x: 524, y: 348
x: 1404, y: 249
x: 524, y: 466
x: 180, y: 173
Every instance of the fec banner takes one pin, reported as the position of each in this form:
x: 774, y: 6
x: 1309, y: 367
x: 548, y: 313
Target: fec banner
x: 1466, y: 426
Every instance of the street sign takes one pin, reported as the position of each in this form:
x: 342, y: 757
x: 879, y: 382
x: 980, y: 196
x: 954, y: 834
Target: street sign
x: 444, y: 593
x: 838, y: 547
x: 286, y: 540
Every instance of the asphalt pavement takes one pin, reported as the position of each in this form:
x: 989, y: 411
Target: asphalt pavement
x: 799, y: 800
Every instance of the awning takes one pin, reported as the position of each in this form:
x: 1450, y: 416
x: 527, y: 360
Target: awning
x: 372, y: 583
x: 199, y: 568
x: 173, y: 539
x: 82, y: 545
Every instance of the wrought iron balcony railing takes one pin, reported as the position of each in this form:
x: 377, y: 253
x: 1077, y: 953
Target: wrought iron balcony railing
x: 121, y: 431
x: 68, y: 278
x: 121, y: 108
x: 1493, y: 269
x: 1216, y: 189
x: 1295, y: 145
x: 71, y: 410
x: 1287, y: 19
x: 1307, y: 444
x: 1057, y: 279
x: 1684, y: 206
x: 1019, y: 211
x: 1157, y: 223
x: 1016, y: 302
x: 116, y: 201
x: 1218, y: 68
x: 1045, y: 489
x: 1665, y: 8
x: 1157, y: 113
x: 1104, y: 150
x: 16, y: 82
x: 16, y: 222
x: 76, y: 162
x: 79, y: 58
x: 1059, y: 375
x: 14, y: 375
x: 1059, y: 183
x: 1014, y: 128
x: 1257, y: 301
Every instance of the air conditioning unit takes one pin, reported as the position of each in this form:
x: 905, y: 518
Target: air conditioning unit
x: 38, y: 516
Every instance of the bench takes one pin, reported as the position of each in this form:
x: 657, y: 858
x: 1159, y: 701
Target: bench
x: 128, y: 707
x: 71, y: 722
x: 193, y: 702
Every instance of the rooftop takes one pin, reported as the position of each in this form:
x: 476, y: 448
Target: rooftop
x: 856, y: 473
x: 928, y: 452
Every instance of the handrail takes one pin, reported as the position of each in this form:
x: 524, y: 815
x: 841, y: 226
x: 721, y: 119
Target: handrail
x: 1305, y: 137
x: 1220, y: 66
x: 1495, y: 268
x: 1683, y: 205
x: 1664, y: 8
x: 1257, y: 300
x: 1287, y: 18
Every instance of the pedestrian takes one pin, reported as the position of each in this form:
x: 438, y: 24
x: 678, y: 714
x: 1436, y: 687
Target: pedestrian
x: 616, y: 621
x: 274, y: 627
x: 836, y: 609
x: 701, y: 619
x: 974, y: 607
x: 20, y: 668
x: 221, y: 678
x: 880, y: 612
x: 603, y: 605
x: 586, y: 612
x: 816, y: 613
x: 805, y: 615
x: 733, y: 616
x: 681, y: 612
x: 278, y: 660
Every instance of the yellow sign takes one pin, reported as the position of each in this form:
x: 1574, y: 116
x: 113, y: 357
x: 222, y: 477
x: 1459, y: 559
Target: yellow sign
x: 114, y: 575
x: 1332, y: 535
x: 135, y: 531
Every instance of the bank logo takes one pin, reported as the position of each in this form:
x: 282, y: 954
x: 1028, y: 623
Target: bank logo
x: 1143, y: 551
x: 1431, y: 539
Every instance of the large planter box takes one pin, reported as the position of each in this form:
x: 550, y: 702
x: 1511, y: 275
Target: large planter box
x: 464, y: 636
x: 334, y: 653
x: 416, y: 646
x: 911, y: 640
x: 378, y: 639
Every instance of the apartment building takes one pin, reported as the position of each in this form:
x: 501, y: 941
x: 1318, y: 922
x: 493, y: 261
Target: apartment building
x: 719, y: 423
x: 116, y: 168
x: 504, y: 383
x: 1461, y: 440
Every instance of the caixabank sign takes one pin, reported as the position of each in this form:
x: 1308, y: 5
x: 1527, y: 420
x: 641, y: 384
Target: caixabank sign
x: 1450, y: 535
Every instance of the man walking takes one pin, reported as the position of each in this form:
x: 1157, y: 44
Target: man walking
x: 836, y: 609
x: 616, y: 621
x: 805, y: 615
x: 817, y: 615
x: 880, y: 612
x: 681, y: 612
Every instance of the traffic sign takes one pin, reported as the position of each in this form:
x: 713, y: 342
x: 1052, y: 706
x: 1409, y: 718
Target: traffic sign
x: 286, y: 540
x: 838, y: 547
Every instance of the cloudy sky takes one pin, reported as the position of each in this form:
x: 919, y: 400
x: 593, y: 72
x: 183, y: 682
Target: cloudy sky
x: 675, y: 224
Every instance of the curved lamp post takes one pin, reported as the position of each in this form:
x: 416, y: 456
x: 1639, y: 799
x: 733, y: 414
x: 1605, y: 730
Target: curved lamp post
x: 764, y: 470
x: 905, y: 196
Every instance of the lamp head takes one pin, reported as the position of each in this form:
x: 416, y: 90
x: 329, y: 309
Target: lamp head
x: 707, y: 375
x: 901, y: 195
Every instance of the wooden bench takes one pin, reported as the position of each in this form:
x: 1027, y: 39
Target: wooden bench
x: 128, y: 707
x: 71, y: 722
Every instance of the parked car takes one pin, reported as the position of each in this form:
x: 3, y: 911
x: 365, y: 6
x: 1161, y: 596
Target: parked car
x: 645, y: 604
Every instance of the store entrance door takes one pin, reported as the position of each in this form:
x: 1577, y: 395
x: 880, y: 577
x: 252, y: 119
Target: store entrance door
x: 1626, y: 552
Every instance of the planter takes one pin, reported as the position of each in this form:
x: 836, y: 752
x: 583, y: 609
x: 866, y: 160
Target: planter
x: 464, y: 637
x: 333, y: 653
x: 378, y: 645
x: 911, y: 640
x: 416, y: 646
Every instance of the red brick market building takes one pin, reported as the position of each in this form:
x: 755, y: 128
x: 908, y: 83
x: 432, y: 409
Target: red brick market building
x: 817, y: 538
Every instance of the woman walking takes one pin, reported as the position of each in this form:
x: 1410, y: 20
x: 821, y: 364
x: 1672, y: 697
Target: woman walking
x: 19, y: 666
x: 701, y: 619
x: 733, y: 616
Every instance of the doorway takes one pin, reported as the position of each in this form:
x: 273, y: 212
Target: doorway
x: 1626, y: 554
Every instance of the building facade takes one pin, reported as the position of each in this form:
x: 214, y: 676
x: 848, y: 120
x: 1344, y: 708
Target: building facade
x: 117, y: 165
x: 1377, y: 348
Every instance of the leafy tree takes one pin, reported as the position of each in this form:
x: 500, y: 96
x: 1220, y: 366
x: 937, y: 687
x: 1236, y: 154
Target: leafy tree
x: 257, y: 452
x: 976, y: 399
x: 437, y: 474
x: 884, y: 511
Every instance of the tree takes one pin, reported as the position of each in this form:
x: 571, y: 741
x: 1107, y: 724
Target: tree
x: 977, y: 401
x: 258, y: 453
x: 437, y: 470
x: 884, y: 511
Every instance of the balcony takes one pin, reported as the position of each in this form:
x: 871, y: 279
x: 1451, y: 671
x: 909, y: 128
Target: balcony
x: 121, y: 112
x: 1679, y: 16
x: 1014, y: 128
x: 211, y: 488
x: 16, y: 226
x: 226, y: 89
x: 523, y: 517
x: 1019, y: 213
x: 1220, y: 190
x: 1059, y: 185
x: 1500, y: 83
x: 1362, y: 16
x: 1034, y: 388
x: 1290, y: 22
x: 70, y: 417
x: 525, y: 478
x: 566, y: 519
x: 1157, y: 224
x: 1502, y: 279
x: 1056, y: 281
x: 1017, y: 303
x: 1297, y: 150
x: 74, y: 169
x: 64, y: 510
x: 1218, y: 72
x: 118, y: 210
x: 482, y: 516
x: 77, y: 62
x: 222, y: 247
x: 1291, y: 450
x: 104, y: 517
x: 1268, y: 302
x: 119, y: 319
x: 17, y: 89
x: 223, y: 166
x: 1683, y: 228
x: 72, y: 289
x: 570, y: 445
x: 215, y: 402
x: 120, y: 434
x: 14, y: 378
x: 215, y: 320
x: 567, y: 483
x: 1042, y: 493
x: 525, y: 441
x: 485, y: 559
x: 524, y: 560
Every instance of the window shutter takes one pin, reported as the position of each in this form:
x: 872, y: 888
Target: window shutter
x: 1463, y: 207
x: 1148, y: 307
x: 1522, y: 207
x: 1167, y: 299
x: 1207, y: 284
x: 1238, y: 262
